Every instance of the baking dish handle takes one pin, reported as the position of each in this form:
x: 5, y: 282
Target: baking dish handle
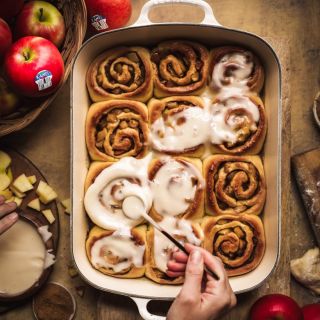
x: 144, y: 313
x: 209, y: 17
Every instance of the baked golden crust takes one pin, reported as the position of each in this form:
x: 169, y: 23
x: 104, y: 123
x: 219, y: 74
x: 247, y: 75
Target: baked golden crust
x: 170, y: 106
x: 234, y: 184
x: 195, y: 209
x: 255, y: 79
x: 152, y: 272
x: 116, y: 129
x: 121, y: 73
x: 239, y: 241
x: 248, y: 141
x: 94, y: 170
x: 138, y: 236
x: 180, y: 68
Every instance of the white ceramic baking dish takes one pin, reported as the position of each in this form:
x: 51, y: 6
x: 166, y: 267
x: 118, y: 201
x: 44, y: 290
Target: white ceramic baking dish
x: 210, y: 33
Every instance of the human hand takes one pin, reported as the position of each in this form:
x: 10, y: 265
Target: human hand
x: 10, y: 218
x: 201, y: 297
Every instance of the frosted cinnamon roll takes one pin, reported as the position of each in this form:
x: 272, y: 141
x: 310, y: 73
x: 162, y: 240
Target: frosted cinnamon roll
x: 180, y: 68
x: 238, y: 124
x: 178, y: 188
x: 119, y: 253
x: 104, y: 198
x: 235, y: 67
x: 117, y: 129
x: 234, y: 184
x: 159, y: 248
x: 121, y: 73
x: 239, y: 241
x: 177, y: 125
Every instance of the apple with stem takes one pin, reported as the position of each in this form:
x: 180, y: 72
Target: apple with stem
x: 34, y: 66
x: 10, y: 8
x: 5, y: 38
x: 106, y: 15
x: 40, y: 18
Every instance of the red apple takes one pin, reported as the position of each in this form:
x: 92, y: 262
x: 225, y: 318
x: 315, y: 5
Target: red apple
x: 9, y: 101
x: 10, y: 8
x: 108, y: 14
x: 275, y: 307
x: 5, y: 38
x: 311, y: 311
x: 40, y: 18
x: 34, y: 66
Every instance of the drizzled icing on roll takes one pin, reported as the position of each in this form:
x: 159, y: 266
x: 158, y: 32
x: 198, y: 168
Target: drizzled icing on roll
x: 117, y: 251
x: 182, y: 230
x: 174, y: 187
x: 234, y: 70
x: 103, y: 199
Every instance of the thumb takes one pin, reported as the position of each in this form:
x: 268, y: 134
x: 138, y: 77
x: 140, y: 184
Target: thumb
x: 194, y: 273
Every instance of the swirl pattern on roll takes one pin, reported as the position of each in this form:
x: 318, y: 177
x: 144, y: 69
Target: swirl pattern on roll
x: 178, y: 188
x: 234, y: 184
x: 177, y: 125
x: 117, y: 129
x: 121, y: 73
x: 238, y: 124
x: 239, y: 241
x: 119, y: 253
x: 180, y: 68
x: 235, y: 67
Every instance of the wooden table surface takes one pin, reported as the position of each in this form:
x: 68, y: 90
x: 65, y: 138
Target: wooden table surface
x: 294, y: 30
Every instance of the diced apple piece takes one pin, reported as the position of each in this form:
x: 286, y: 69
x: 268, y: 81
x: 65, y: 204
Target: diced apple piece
x: 6, y: 193
x: 17, y: 192
x: 10, y: 175
x: 10, y: 200
x: 34, y: 204
x: 32, y: 179
x: 49, y: 215
x: 4, y: 181
x: 45, y: 192
x: 66, y: 204
x: 22, y: 183
x: 18, y: 201
x: 5, y: 161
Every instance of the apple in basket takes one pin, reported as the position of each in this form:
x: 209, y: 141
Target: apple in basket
x: 10, y: 8
x: 108, y: 14
x: 40, y: 18
x: 5, y: 38
x: 9, y: 101
x: 34, y: 66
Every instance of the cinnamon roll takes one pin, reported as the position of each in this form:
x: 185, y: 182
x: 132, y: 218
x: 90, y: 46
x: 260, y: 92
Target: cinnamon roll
x: 121, y: 73
x: 239, y: 241
x: 104, y: 198
x: 235, y: 67
x: 178, y: 188
x: 119, y: 253
x: 117, y: 129
x: 176, y: 125
x: 234, y: 184
x: 180, y: 68
x: 159, y: 248
x: 238, y: 124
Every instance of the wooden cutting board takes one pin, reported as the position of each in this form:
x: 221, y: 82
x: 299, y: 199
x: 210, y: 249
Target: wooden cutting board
x: 306, y: 169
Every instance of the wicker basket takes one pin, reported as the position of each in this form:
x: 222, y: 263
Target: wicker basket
x: 75, y: 16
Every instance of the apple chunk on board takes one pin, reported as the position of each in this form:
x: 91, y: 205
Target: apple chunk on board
x: 21, y: 165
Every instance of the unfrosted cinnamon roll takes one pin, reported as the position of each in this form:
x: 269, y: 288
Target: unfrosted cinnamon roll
x: 180, y: 68
x: 235, y: 67
x: 121, y: 73
x: 234, y: 184
x: 119, y: 253
x: 107, y: 188
x: 239, y: 241
x: 117, y: 129
x: 178, y: 188
x: 238, y: 124
x: 176, y: 125
x: 159, y: 248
